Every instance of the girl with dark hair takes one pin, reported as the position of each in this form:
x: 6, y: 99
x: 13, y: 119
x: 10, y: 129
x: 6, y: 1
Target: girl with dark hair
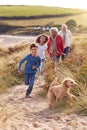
x: 42, y: 47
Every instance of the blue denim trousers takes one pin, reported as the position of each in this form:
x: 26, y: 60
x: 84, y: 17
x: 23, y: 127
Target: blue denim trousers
x: 29, y: 80
x: 55, y: 60
x: 66, y: 51
x: 41, y: 68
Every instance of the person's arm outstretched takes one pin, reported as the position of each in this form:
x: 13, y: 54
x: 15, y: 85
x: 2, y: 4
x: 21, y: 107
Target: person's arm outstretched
x: 21, y: 62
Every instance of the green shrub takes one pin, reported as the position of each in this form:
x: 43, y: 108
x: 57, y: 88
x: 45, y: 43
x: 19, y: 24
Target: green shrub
x: 71, y: 23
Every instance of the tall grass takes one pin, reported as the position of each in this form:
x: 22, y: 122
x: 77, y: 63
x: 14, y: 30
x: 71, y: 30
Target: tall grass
x: 68, y: 69
x: 75, y: 66
x: 8, y: 68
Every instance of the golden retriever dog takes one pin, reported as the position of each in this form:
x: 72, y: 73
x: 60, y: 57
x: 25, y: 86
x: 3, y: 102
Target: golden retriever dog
x: 60, y: 91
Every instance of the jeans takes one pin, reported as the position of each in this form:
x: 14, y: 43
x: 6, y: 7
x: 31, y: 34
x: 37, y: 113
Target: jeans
x: 29, y: 80
x: 41, y: 68
x: 55, y: 60
x: 66, y: 52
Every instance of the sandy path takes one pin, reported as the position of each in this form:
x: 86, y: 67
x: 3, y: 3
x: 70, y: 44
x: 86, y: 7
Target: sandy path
x: 20, y: 113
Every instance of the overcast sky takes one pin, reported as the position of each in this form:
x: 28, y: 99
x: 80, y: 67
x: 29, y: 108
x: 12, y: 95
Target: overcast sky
x: 59, y: 3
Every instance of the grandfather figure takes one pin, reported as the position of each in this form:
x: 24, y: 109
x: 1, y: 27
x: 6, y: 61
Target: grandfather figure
x: 66, y: 36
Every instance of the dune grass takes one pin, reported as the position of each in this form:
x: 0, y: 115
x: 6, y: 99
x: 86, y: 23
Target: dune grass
x: 9, y: 63
x: 70, y: 105
x: 75, y: 66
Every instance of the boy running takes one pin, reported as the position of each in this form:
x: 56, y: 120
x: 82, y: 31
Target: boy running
x: 30, y: 69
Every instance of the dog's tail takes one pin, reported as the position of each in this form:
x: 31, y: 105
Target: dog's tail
x: 54, y: 82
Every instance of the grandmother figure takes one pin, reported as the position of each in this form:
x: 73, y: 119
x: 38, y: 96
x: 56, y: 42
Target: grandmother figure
x: 55, y: 45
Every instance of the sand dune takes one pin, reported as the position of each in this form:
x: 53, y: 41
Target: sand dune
x: 20, y: 113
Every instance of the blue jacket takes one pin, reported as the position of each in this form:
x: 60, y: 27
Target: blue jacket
x: 30, y: 61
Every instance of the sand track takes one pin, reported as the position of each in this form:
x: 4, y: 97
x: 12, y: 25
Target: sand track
x: 20, y: 113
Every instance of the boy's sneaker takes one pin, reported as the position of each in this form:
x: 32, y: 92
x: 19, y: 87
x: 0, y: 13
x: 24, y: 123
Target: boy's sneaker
x: 27, y: 92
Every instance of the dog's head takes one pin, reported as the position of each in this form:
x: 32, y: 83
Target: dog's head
x: 68, y: 82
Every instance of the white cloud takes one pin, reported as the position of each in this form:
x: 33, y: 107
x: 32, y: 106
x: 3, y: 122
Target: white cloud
x: 58, y: 3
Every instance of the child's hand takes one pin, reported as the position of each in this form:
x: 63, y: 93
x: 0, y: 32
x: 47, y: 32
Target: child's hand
x: 33, y: 67
x: 19, y: 71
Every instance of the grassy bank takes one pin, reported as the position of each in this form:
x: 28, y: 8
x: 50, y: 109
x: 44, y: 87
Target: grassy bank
x: 80, y: 19
x: 35, y: 10
x: 26, y: 26
x: 75, y: 66
x: 9, y: 60
x: 24, y: 18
